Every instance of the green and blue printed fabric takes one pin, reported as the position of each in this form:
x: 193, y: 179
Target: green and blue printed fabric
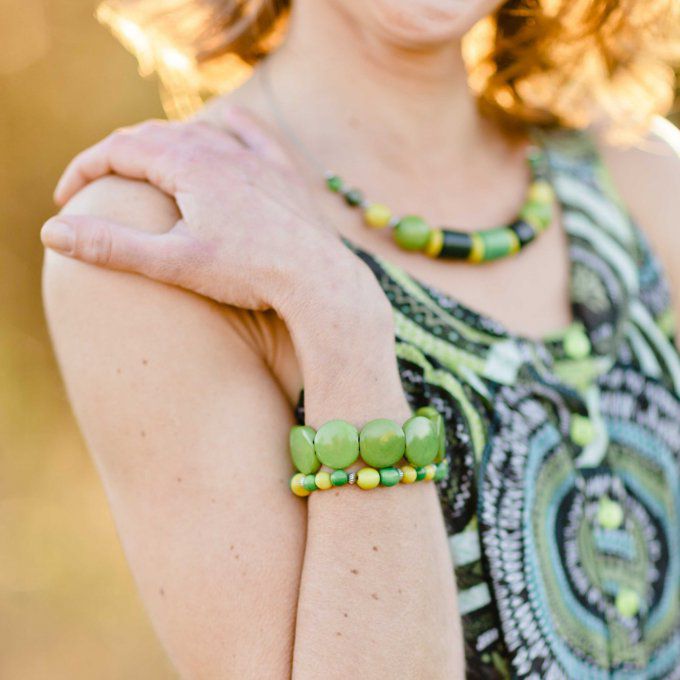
x: 562, y: 506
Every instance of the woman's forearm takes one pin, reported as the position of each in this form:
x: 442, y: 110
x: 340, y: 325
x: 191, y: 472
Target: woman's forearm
x: 377, y: 594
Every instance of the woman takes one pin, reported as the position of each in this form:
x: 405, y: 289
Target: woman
x: 550, y: 549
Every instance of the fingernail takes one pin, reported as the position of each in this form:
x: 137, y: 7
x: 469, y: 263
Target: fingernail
x: 58, y: 236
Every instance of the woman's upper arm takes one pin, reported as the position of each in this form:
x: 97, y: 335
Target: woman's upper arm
x: 188, y: 429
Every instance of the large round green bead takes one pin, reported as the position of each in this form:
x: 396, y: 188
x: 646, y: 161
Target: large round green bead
x: 438, y: 422
x: 302, y: 453
x: 337, y: 444
x: 422, y: 441
x: 412, y: 233
x: 381, y: 442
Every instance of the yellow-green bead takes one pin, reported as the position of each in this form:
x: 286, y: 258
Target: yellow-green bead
x: 377, y: 215
x: 435, y: 243
x: 409, y: 474
x: 581, y: 429
x: 337, y: 444
x: 541, y: 191
x: 368, y: 478
x: 412, y: 233
x: 301, y: 442
x: 296, y: 487
x: 477, y: 251
x: 627, y: 602
x: 422, y: 441
x: 609, y: 513
x: 323, y: 480
x: 430, y: 471
x: 381, y: 442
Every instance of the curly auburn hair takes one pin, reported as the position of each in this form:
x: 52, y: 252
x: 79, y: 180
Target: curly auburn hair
x: 538, y: 62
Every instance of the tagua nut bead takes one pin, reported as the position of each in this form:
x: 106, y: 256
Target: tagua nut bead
x: 420, y: 473
x: 422, y: 442
x: 309, y: 482
x: 430, y: 471
x: 438, y: 422
x: 409, y: 474
x: 368, y: 478
x: 435, y: 243
x: 442, y: 471
x: 581, y: 429
x: 389, y: 476
x: 334, y: 183
x: 576, y: 343
x: 541, y: 191
x: 381, y: 442
x: 353, y: 197
x: 337, y: 444
x: 339, y: 478
x: 323, y: 480
x: 377, y: 215
x: 537, y: 214
x: 301, y: 440
x: 296, y: 485
x: 412, y: 233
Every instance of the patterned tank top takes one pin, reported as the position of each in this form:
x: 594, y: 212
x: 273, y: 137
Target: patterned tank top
x: 562, y: 507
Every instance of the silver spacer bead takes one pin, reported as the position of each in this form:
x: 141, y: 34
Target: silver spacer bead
x: 351, y: 477
x: 394, y: 221
x: 401, y: 474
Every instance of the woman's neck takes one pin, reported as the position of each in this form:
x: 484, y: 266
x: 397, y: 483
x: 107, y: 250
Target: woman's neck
x: 390, y: 102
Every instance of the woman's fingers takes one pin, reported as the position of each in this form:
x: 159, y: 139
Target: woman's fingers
x: 162, y: 257
x: 154, y: 151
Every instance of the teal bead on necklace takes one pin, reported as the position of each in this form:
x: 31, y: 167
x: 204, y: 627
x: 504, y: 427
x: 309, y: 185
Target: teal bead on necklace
x: 412, y: 232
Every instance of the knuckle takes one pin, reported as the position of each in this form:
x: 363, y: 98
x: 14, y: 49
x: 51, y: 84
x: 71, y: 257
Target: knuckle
x: 95, y: 245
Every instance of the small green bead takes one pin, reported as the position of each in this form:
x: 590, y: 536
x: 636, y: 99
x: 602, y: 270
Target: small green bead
x: 354, y: 197
x: 309, y: 482
x: 627, y: 602
x: 339, y: 478
x: 422, y: 441
x: 412, y: 233
x: 581, y: 430
x: 420, y: 473
x: 381, y: 442
x: 337, y: 444
x: 537, y: 214
x: 576, y: 343
x: 389, y: 476
x: 301, y: 440
x: 609, y: 513
x: 334, y: 183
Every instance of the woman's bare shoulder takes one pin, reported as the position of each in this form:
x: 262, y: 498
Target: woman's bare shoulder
x: 68, y: 285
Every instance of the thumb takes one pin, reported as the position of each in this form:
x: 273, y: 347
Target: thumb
x: 106, y: 244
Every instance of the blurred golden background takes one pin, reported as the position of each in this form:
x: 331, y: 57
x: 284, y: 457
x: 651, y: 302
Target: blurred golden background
x: 68, y: 606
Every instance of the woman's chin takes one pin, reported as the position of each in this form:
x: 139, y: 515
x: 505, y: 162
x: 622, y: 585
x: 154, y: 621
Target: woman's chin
x: 423, y: 23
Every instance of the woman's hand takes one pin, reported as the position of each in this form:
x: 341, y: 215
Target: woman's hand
x: 247, y: 235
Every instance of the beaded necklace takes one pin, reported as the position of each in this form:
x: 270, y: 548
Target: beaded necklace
x: 412, y: 232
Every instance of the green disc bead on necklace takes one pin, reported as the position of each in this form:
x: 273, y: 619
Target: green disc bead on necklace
x: 412, y: 233
x: 337, y: 444
x: 353, y: 197
x: 302, y: 453
x: 334, y: 183
x: 422, y: 441
x: 381, y: 442
x: 389, y: 476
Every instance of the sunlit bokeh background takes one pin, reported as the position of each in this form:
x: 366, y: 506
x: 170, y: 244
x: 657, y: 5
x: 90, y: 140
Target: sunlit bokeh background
x: 68, y: 606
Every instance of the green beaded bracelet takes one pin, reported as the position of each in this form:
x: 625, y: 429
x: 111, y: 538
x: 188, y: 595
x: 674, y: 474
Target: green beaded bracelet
x: 381, y: 443
x: 368, y: 477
